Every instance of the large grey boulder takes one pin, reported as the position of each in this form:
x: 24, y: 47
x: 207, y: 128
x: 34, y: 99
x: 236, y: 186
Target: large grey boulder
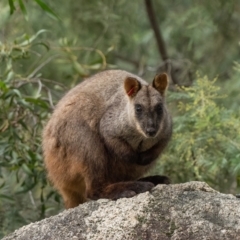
x: 183, y: 211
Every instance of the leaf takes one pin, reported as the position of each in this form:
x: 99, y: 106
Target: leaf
x: 47, y: 9
x: 6, y: 197
x: 44, y: 44
x: 23, y: 124
x: 49, y: 209
x: 10, y: 76
x: 27, y: 169
x: 3, y: 86
x: 38, y: 102
x: 95, y: 66
x: 2, y: 184
x: 11, y: 93
x: 32, y: 155
x: 12, y: 7
x: 25, y: 188
x: 17, y: 93
x: 14, y: 155
x: 4, y: 125
x: 79, y: 69
x: 23, y: 9
x: 24, y: 104
x: 49, y: 195
x: 31, y: 39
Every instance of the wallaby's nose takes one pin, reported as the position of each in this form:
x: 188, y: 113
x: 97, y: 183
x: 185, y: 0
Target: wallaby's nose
x: 151, y: 131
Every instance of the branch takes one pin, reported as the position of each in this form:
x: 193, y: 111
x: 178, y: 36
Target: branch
x: 160, y: 42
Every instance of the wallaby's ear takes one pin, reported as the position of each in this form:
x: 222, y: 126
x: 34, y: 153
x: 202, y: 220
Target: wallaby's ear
x: 131, y: 86
x: 160, y: 82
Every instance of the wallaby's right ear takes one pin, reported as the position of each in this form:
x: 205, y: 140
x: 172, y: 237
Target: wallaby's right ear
x: 131, y: 86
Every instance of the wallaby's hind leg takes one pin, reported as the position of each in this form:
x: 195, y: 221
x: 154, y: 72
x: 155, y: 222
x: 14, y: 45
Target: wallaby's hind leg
x: 156, y: 179
x: 123, y: 190
x: 73, y: 193
x: 72, y: 198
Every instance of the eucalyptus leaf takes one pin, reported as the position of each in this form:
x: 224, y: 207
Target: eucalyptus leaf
x: 23, y: 9
x: 32, y: 38
x: 12, y: 7
x: 47, y: 9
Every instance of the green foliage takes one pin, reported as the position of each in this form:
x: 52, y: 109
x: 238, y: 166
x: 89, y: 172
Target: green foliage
x: 25, y: 104
x: 42, y: 4
x: 26, y: 100
x: 206, y: 139
x: 27, y: 97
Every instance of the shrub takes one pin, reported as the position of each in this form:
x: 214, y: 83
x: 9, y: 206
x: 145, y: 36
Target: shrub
x: 206, y: 140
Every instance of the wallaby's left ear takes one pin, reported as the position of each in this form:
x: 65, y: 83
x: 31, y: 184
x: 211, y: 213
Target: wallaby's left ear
x: 160, y: 82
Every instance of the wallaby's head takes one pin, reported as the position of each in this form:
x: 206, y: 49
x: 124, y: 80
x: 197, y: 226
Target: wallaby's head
x: 146, y: 107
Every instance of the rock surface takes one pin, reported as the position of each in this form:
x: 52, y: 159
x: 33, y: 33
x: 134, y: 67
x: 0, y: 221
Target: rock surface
x: 183, y: 211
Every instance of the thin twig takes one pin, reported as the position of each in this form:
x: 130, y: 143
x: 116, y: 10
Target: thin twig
x: 32, y: 199
x: 50, y: 99
x: 42, y: 65
x: 40, y: 87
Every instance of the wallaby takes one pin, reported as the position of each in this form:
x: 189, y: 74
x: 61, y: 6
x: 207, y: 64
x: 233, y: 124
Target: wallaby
x: 105, y: 134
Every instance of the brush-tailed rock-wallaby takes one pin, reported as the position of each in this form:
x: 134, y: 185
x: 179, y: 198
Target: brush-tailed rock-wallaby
x: 105, y: 134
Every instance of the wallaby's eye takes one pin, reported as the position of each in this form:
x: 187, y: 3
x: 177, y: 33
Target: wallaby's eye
x: 159, y: 108
x: 138, y: 108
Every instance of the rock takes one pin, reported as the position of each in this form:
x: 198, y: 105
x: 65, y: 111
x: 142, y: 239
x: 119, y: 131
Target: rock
x: 182, y: 211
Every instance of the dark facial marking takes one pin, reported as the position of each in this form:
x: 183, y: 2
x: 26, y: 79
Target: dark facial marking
x: 138, y: 109
x: 158, y: 109
x: 149, y: 111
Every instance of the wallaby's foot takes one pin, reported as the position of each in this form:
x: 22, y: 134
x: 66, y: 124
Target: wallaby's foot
x: 124, y: 194
x: 125, y: 189
x: 156, y: 179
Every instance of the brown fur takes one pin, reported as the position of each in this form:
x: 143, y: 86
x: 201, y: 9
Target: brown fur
x: 94, y: 145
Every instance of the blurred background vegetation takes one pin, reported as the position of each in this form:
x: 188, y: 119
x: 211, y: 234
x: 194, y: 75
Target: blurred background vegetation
x: 47, y: 47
